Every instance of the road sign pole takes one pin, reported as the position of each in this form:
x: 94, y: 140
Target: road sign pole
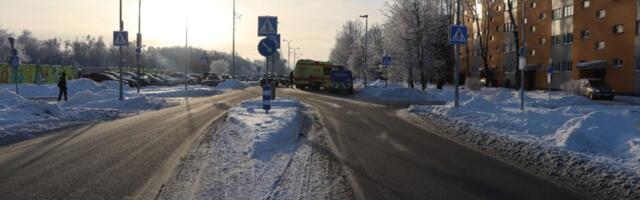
x: 16, y: 66
x: 139, y: 45
x: 524, y: 47
x: 121, y: 93
x: 457, y: 62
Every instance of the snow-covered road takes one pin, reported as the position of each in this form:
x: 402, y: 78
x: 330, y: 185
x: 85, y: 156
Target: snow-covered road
x: 252, y: 155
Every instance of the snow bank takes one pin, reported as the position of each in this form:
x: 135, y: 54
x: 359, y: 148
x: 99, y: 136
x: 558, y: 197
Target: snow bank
x: 231, y: 85
x: 398, y: 93
x: 178, y: 91
x: 607, y: 134
x: 21, y: 118
x: 271, y: 133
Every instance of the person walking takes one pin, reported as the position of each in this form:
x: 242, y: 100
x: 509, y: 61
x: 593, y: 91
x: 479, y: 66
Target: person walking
x: 291, y: 79
x: 62, y: 85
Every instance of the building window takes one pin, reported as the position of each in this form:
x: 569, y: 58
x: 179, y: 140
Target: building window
x: 600, y: 45
x: 493, y: 38
x: 543, y: 40
x: 586, y: 3
x: 533, y: 29
x: 532, y: 52
x: 617, y: 62
x: 601, y: 14
x: 543, y: 16
x: 585, y: 34
x: 568, y: 11
x: 534, y: 4
x: 556, y: 40
x: 498, y: 8
x: 568, y: 38
x: 618, y: 29
x: 557, y: 13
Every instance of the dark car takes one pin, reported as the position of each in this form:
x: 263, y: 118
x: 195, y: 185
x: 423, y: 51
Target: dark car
x: 283, y: 81
x: 268, y: 78
x: 100, y: 77
x: 213, y: 80
x: 226, y: 77
x: 595, y: 89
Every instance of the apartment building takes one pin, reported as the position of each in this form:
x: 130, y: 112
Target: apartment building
x: 577, y: 38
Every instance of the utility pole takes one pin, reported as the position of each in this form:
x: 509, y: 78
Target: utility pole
x: 186, y: 53
x: 366, y: 43
x: 456, y: 75
x: 288, y: 53
x: 233, y: 48
x: 139, y: 44
x: 121, y: 59
x: 523, y: 55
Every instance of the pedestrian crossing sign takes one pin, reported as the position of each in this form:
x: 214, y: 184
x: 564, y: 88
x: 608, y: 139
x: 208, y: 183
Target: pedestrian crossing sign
x: 120, y: 38
x: 267, y: 26
x: 458, y: 34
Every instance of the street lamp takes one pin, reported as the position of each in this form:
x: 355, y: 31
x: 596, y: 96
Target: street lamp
x: 366, y: 43
x: 288, y: 52
x: 139, y: 44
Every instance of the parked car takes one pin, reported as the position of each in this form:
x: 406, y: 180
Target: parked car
x: 268, y: 78
x: 100, y: 77
x: 595, y: 89
x: 283, y: 81
x: 196, y: 78
x: 213, y: 80
x: 226, y: 77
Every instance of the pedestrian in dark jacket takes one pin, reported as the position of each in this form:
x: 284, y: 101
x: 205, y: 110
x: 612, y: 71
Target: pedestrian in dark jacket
x: 62, y: 85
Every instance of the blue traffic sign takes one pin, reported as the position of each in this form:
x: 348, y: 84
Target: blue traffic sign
x: 276, y: 39
x: 120, y: 38
x: 550, y: 70
x: 267, y: 47
x: 458, y: 34
x: 386, y: 60
x: 15, y: 62
x: 204, y: 60
x: 267, y: 25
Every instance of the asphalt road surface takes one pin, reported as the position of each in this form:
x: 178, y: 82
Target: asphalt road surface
x: 387, y: 157
x: 128, y: 158
x: 390, y: 158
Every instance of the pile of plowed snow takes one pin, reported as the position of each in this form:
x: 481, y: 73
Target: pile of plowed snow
x: 566, y: 121
x: 231, y: 85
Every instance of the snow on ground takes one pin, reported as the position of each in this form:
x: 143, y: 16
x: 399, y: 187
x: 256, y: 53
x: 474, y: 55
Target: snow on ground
x: 231, y: 85
x: 593, y: 145
x: 254, y: 155
x: 397, y: 93
x: 178, y: 91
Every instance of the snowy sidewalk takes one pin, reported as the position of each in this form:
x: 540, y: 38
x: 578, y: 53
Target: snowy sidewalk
x: 252, y: 155
x: 33, y: 112
x: 585, y: 143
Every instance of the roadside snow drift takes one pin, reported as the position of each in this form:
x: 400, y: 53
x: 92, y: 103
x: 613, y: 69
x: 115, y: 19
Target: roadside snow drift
x: 231, y: 85
x: 253, y: 155
x: 396, y: 93
x: 21, y: 118
x: 599, y: 139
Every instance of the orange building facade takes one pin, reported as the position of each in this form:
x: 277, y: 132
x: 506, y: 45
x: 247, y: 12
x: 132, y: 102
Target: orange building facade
x: 576, y: 38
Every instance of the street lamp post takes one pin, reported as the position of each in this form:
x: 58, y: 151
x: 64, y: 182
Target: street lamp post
x: 456, y: 75
x: 366, y: 43
x: 139, y: 44
x: 233, y: 48
x: 288, y: 52
x: 186, y: 54
x: 121, y: 97
x: 523, y: 55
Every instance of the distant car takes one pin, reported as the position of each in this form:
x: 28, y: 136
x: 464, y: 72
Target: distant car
x: 196, y: 78
x: 100, y: 77
x: 213, y: 80
x: 341, y: 80
x: 595, y: 89
x: 283, y: 81
x: 268, y: 78
x: 226, y: 76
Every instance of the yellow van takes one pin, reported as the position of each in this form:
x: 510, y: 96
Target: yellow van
x: 312, y: 74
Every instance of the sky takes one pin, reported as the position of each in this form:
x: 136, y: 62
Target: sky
x: 311, y: 25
